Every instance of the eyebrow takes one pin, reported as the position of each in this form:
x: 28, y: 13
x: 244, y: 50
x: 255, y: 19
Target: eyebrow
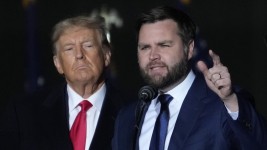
x: 165, y: 42
x: 142, y: 45
x: 73, y: 43
x: 158, y: 43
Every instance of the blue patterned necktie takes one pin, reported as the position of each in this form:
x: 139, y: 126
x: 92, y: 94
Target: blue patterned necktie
x: 161, y: 126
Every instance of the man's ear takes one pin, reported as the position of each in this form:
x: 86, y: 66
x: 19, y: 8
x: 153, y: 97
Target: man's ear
x: 191, y: 49
x: 57, y: 64
x: 107, y: 57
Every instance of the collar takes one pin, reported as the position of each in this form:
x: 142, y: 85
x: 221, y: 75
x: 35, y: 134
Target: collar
x: 179, y: 92
x: 96, y: 99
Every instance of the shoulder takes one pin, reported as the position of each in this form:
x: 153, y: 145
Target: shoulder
x: 118, y: 95
x: 37, y: 97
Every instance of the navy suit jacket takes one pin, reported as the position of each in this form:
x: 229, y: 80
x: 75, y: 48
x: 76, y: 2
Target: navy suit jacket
x: 40, y: 122
x: 202, y: 124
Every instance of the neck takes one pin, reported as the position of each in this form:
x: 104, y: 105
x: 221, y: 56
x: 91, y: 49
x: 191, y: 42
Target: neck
x: 86, y: 90
x: 174, y: 84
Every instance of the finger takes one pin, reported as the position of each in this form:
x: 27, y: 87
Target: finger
x: 218, y: 69
x: 202, y: 67
x: 225, y: 75
x: 215, y: 77
x: 223, y: 83
x: 219, y: 84
x: 215, y: 58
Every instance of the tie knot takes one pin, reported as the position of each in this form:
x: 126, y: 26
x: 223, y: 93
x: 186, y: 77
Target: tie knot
x: 165, y: 99
x: 85, y: 105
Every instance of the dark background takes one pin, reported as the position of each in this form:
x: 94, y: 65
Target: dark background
x: 234, y: 29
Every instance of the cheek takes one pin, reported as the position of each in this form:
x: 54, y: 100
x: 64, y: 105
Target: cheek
x: 67, y: 59
x: 67, y: 63
x: 98, y: 61
x: 173, y: 59
x: 142, y: 61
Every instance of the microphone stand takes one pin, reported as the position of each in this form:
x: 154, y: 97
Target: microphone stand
x: 142, y: 107
x: 145, y: 95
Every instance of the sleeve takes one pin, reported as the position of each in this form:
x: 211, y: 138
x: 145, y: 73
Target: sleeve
x: 9, y: 131
x: 250, y: 129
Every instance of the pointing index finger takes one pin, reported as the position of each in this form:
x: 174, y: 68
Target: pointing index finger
x: 215, y: 58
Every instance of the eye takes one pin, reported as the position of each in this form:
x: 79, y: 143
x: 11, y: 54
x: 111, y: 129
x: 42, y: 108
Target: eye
x: 164, y: 45
x: 87, y: 45
x: 143, y: 47
x: 68, y: 48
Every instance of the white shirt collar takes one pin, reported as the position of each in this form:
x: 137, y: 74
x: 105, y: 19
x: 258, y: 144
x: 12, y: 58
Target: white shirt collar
x: 95, y: 99
x: 179, y: 92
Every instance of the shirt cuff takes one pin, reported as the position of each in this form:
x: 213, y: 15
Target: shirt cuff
x: 234, y: 115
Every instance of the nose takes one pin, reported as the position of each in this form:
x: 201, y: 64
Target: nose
x: 154, y: 54
x: 79, y: 52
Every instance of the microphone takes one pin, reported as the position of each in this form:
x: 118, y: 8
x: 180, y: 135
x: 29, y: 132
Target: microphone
x: 147, y: 93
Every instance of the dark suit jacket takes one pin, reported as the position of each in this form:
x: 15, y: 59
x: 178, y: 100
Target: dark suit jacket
x: 202, y: 124
x: 40, y: 122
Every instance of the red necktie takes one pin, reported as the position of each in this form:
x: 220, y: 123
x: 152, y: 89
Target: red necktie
x: 78, y: 129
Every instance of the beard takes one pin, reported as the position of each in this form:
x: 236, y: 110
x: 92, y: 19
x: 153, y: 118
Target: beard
x: 174, y: 75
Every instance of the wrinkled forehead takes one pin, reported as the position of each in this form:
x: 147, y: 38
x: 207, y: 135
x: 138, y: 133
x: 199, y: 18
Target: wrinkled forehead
x: 78, y: 34
x: 74, y: 29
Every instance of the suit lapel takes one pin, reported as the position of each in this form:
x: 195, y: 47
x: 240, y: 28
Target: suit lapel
x: 105, y: 126
x: 190, y: 110
x: 54, y: 119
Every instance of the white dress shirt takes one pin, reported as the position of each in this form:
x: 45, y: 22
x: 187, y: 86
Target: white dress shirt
x: 178, y: 93
x: 92, y: 114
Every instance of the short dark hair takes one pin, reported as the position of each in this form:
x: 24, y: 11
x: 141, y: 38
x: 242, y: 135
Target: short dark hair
x: 184, y: 22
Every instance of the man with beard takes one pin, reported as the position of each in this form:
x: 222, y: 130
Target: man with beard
x: 192, y: 111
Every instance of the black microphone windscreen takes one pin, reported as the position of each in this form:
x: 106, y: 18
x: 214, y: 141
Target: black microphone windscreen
x: 147, y: 93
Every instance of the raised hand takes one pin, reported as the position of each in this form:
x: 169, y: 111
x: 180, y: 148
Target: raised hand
x: 219, y: 80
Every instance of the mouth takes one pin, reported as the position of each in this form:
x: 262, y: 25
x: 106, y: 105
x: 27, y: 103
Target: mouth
x: 155, y: 65
x: 81, y: 67
x: 156, y: 68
